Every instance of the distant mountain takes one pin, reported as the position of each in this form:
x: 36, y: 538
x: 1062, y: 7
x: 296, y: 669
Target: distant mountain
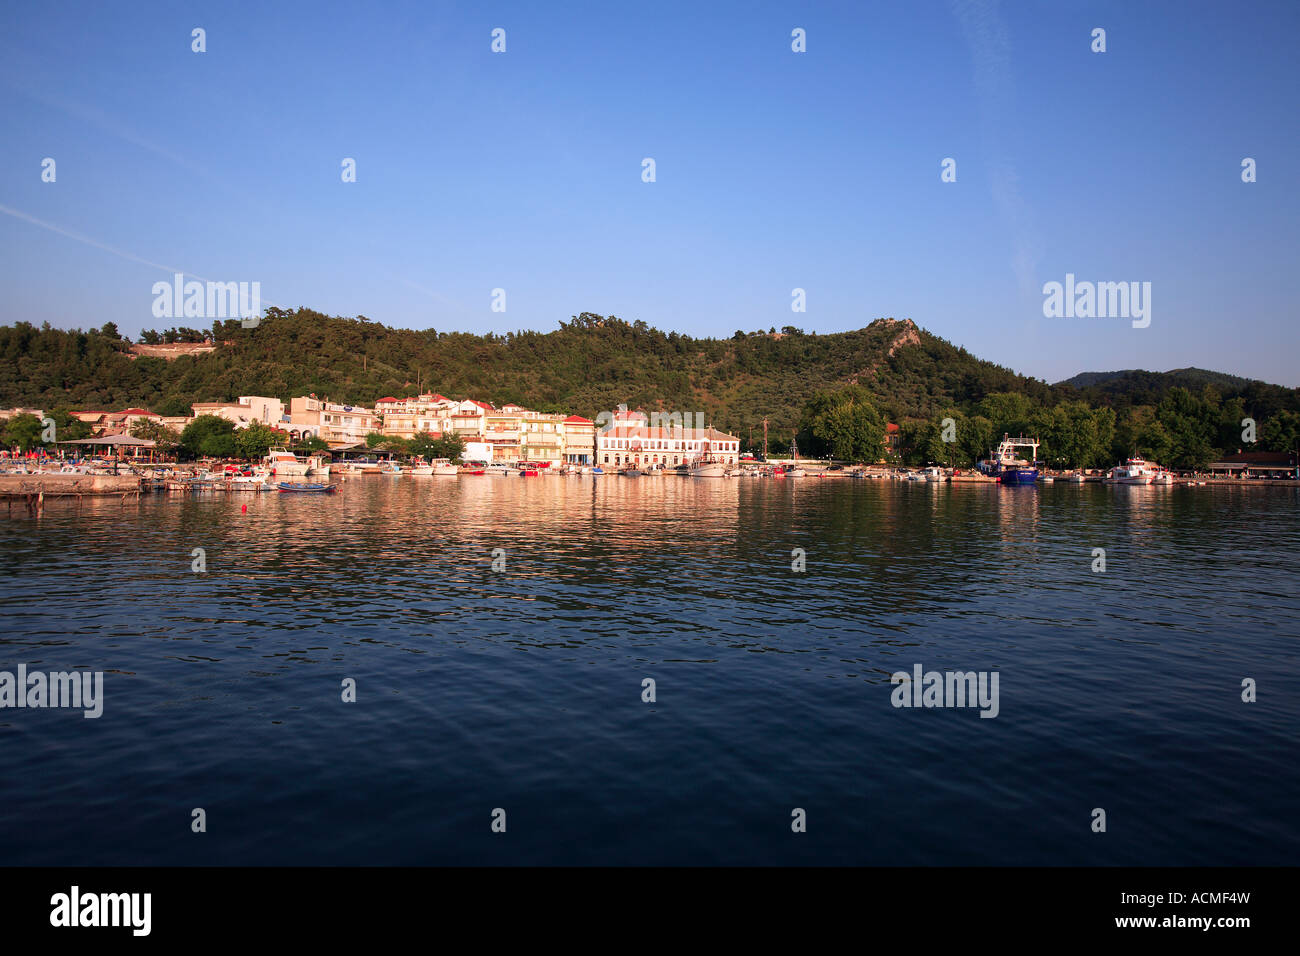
x: 1189, y: 378
x: 1136, y: 387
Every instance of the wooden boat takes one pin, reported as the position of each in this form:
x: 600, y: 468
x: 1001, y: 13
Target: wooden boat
x: 304, y: 488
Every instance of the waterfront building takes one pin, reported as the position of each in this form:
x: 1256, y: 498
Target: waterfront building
x: 336, y: 424
x: 1257, y: 464
x: 503, y: 431
x: 542, y: 438
x: 630, y: 439
x: 579, y: 440
x: 468, y: 419
x: 408, y: 417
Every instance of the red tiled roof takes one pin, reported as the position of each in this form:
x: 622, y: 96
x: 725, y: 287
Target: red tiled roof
x: 389, y: 399
x: 891, y: 427
x: 578, y: 420
x: 137, y: 411
x: 486, y: 405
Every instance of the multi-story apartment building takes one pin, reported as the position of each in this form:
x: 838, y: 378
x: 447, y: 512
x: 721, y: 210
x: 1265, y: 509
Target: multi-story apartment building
x: 468, y: 419
x: 630, y: 439
x: 503, y: 431
x: 244, y: 411
x: 408, y: 417
x: 579, y: 440
x: 542, y: 438
x: 336, y: 424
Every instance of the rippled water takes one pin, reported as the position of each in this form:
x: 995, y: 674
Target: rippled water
x: 521, y: 689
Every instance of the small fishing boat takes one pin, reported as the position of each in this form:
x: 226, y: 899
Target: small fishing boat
x: 933, y: 474
x: 597, y: 470
x: 443, y: 468
x: 304, y: 487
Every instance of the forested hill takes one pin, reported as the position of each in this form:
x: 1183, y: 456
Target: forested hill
x: 1142, y: 384
x: 588, y: 364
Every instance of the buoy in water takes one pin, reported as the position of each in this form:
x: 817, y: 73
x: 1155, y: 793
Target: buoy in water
x: 243, y: 509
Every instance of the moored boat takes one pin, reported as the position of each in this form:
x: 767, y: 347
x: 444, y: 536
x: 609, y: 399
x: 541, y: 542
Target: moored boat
x: 1134, y: 471
x: 304, y: 487
x: 1009, y: 467
x: 283, y: 463
x: 708, y: 468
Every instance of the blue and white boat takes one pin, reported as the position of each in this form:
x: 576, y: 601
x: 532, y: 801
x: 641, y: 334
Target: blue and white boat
x: 1010, y: 467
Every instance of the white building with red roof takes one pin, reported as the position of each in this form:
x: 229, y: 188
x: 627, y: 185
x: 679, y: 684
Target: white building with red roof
x: 631, y: 439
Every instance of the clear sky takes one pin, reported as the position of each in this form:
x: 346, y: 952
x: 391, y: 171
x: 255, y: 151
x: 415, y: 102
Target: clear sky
x: 774, y: 169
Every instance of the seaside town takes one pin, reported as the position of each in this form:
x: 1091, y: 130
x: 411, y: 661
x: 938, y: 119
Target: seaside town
x: 299, y: 448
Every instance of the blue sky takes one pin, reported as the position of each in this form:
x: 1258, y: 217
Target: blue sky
x: 774, y: 169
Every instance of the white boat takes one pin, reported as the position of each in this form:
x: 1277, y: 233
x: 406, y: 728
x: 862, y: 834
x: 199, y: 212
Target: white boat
x: 1077, y: 478
x: 421, y: 470
x: 1162, y: 478
x: 708, y: 468
x: 1134, y: 471
x: 933, y: 474
x: 391, y: 468
x: 443, y: 468
x: 283, y: 463
x: 497, y: 469
x: 252, y: 482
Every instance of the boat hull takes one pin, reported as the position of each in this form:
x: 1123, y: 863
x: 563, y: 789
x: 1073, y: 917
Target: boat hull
x: 709, y: 471
x: 1018, y: 476
x: 304, y: 489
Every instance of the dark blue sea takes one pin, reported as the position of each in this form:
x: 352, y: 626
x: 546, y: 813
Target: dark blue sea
x: 521, y: 689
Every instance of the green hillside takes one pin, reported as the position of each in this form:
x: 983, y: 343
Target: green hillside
x: 588, y: 364
x: 888, y: 371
